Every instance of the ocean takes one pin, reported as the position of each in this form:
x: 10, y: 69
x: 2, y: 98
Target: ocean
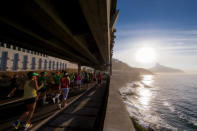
x: 163, y: 101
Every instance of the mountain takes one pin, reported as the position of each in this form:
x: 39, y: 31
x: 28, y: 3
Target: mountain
x: 164, y: 69
x: 118, y: 65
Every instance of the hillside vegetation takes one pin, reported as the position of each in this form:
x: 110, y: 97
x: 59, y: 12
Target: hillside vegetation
x: 118, y: 65
x: 158, y: 68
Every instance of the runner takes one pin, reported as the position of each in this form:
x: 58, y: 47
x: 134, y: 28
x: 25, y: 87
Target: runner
x: 75, y: 80
x: 65, y: 82
x: 90, y: 77
x: 43, y: 91
x: 57, y: 87
x: 99, y: 78
x: 94, y: 76
x: 86, y: 79
x: 79, y: 81
x: 72, y: 78
x: 30, y: 95
x: 82, y: 76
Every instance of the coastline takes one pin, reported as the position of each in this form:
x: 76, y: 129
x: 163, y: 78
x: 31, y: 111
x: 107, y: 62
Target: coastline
x: 122, y: 78
x: 117, y: 117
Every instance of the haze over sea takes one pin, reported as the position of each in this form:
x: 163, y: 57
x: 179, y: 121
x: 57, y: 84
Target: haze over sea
x: 163, y: 101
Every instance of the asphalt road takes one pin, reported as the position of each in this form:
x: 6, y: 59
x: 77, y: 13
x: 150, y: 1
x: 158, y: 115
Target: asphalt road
x: 10, y: 113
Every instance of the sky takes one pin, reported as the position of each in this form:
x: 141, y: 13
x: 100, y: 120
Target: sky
x: 167, y: 26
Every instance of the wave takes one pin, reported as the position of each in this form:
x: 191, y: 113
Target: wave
x: 129, y: 89
x: 146, y: 118
x: 163, y: 104
x: 189, y: 120
x: 194, y: 122
x: 170, y: 107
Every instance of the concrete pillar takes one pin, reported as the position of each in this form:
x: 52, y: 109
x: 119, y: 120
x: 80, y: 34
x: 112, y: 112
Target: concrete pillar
x: 111, y: 65
x: 9, y: 60
x: 79, y: 68
x: 20, y: 65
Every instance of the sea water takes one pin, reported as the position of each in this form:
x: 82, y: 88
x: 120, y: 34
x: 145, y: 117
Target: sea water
x: 163, y: 101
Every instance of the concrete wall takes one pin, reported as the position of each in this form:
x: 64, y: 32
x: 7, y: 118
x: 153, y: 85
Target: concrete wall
x: 117, y: 118
x: 62, y: 64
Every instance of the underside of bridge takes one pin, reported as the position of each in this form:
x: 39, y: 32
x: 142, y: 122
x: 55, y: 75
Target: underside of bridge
x: 80, y: 31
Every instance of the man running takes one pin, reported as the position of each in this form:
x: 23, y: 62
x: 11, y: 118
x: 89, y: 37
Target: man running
x: 94, y: 76
x: 58, y: 91
x: 90, y: 77
x: 72, y: 78
x: 99, y: 78
x: 86, y: 79
x: 30, y: 95
x: 65, y: 82
x: 78, y: 81
x: 42, y: 92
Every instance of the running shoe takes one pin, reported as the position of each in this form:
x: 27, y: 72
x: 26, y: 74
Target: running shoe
x: 27, y: 126
x: 16, y: 124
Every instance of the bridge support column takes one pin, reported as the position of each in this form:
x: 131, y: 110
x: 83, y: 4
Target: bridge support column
x: 79, y: 68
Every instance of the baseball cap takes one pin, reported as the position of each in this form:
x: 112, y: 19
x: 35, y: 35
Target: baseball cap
x: 35, y: 74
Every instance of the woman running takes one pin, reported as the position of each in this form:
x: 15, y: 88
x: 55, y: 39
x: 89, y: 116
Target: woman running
x: 30, y: 95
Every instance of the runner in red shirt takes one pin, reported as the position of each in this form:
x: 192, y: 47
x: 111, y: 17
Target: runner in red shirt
x: 64, y: 84
x: 99, y: 77
x: 94, y: 77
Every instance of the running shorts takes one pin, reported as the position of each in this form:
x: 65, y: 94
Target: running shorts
x: 65, y: 92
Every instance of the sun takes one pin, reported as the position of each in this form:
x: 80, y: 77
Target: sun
x: 146, y: 55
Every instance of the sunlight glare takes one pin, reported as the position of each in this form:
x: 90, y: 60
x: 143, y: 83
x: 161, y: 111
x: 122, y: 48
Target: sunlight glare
x: 147, y: 80
x: 144, y: 92
x: 146, y: 55
x: 145, y: 96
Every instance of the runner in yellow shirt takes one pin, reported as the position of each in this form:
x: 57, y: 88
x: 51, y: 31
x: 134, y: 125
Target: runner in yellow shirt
x: 30, y: 95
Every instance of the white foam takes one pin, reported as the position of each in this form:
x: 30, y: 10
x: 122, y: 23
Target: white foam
x: 170, y: 107
x: 194, y: 122
x: 145, y: 117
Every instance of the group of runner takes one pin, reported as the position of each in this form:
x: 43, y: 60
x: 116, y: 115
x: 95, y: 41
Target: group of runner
x: 35, y: 87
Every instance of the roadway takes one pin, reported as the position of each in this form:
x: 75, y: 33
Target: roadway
x: 83, y: 112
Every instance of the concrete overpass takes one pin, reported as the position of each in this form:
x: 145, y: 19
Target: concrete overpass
x: 80, y: 31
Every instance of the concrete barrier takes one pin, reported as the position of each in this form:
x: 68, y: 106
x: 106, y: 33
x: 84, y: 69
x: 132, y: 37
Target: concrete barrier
x: 117, y: 117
